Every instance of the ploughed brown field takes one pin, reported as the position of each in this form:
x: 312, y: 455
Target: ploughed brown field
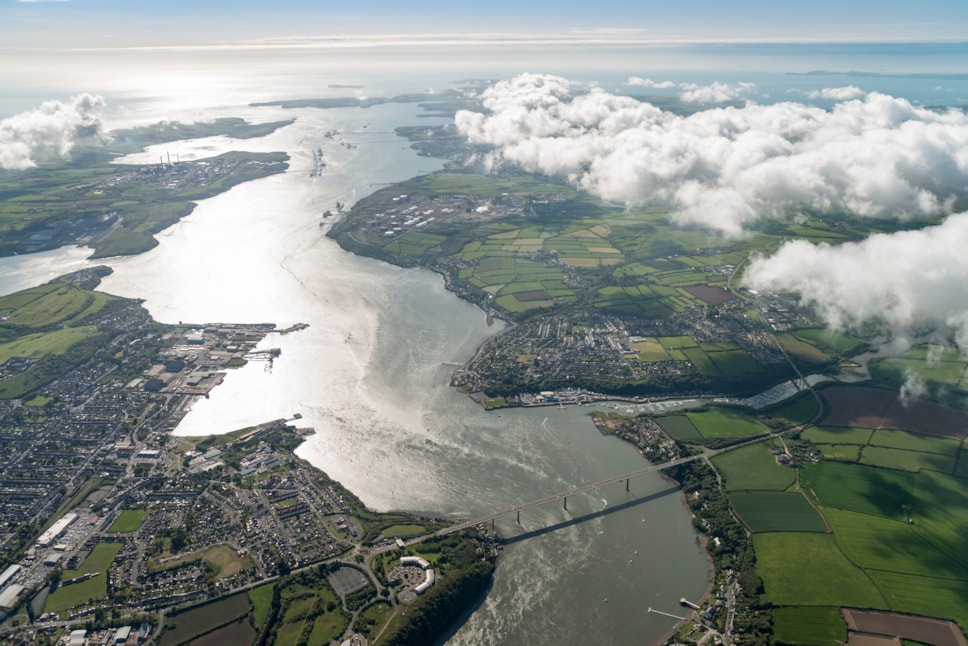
x: 879, y: 408
x: 711, y: 295
x: 922, y: 629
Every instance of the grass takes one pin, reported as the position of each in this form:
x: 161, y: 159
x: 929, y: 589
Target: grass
x: 837, y: 435
x: 890, y: 545
x: 865, y: 489
x: 809, y: 626
x: 724, y: 422
x: 946, y: 599
x: 261, y: 600
x: 880, y: 456
x: 327, y: 627
x: 403, y: 531
x: 807, y: 569
x: 915, y: 442
x: 99, y: 560
x: 830, y: 341
x: 777, y: 512
x: 799, y: 411
x: 753, y: 468
x: 202, y: 619
x: 941, y: 513
x: 129, y: 521
x: 680, y: 428
x: 802, y: 351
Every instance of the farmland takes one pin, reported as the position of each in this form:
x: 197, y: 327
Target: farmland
x: 777, y: 512
x: 724, y: 422
x: 753, y: 468
x: 830, y: 578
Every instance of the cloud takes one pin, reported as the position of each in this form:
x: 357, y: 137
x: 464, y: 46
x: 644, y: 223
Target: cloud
x: 50, y: 131
x: 716, y: 92
x: 838, y: 93
x: 664, y: 85
x: 728, y: 168
x: 906, y: 282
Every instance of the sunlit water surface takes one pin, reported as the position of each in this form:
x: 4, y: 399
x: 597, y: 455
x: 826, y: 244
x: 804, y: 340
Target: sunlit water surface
x: 370, y: 374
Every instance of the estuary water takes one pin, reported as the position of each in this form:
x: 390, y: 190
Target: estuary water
x: 371, y: 375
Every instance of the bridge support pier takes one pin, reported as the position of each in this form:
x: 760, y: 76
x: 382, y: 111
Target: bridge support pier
x: 627, y: 483
x: 566, y: 502
x: 492, y: 524
x: 519, y: 518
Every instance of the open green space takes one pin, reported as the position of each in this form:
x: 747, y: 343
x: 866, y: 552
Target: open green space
x: 837, y: 435
x: 69, y: 596
x: 880, y: 456
x: 184, y: 626
x: 800, y: 410
x: 807, y: 569
x: 680, y: 428
x: 878, y: 543
x: 844, y: 452
x: 831, y: 342
x: 726, y: 422
x: 919, y: 595
x: 801, y: 351
x: 940, y: 513
x: 261, y: 600
x: 915, y: 442
x: 403, y: 531
x: 774, y: 511
x: 809, y: 626
x: 129, y: 521
x: 861, y: 488
x: 753, y: 468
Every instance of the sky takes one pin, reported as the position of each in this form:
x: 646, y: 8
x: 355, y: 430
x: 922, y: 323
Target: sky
x: 123, y: 23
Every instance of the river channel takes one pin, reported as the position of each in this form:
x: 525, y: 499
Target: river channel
x: 370, y: 375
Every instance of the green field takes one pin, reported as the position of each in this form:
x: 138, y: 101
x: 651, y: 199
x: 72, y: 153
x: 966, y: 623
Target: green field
x: 99, y: 560
x: 182, y: 627
x: 865, y: 489
x: 809, y: 626
x: 880, y: 456
x: 753, y: 468
x: 807, y: 569
x: 679, y: 427
x: 799, y: 411
x: 725, y: 422
x: 261, y: 599
x: 940, y: 513
x: 831, y: 342
x: 802, y: 351
x: 129, y: 521
x: 947, y: 599
x: 837, y: 435
x: 772, y: 511
x: 890, y: 545
x: 915, y: 442
x: 403, y: 531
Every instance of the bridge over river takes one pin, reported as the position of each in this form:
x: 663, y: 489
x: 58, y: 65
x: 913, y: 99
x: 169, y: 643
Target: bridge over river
x: 564, y: 495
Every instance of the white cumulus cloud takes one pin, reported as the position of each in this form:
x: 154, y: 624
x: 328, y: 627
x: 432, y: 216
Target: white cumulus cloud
x: 49, y: 132
x: 727, y: 168
x: 838, y: 93
x: 716, y: 92
x: 905, y: 281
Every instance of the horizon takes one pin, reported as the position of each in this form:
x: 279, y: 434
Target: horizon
x: 44, y: 24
